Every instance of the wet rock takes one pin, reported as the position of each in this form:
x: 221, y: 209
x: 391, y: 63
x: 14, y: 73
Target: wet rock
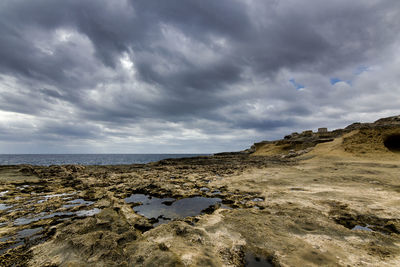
x: 27, y: 170
x: 272, y: 213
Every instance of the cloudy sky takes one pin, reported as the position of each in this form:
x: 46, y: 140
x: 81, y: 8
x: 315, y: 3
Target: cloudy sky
x: 201, y: 76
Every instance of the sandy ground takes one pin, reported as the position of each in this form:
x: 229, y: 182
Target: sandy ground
x: 286, y: 212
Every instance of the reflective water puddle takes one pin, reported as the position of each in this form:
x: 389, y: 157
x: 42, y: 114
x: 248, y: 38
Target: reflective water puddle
x: 84, y: 213
x: 251, y: 260
x: 77, y: 202
x: 28, y: 232
x: 63, y: 214
x: 20, y: 238
x: 165, y: 209
x: 4, y: 206
x: 363, y: 228
x: 47, y: 197
x: 42, y: 216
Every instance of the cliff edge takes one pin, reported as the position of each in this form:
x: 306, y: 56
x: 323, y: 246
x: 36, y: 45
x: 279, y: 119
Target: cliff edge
x: 358, y: 139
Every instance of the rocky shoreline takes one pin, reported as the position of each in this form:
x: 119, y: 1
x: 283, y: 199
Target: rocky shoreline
x: 329, y: 204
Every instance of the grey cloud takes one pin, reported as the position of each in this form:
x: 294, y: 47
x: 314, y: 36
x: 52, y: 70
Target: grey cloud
x: 265, y: 124
x: 195, y: 70
x: 62, y: 131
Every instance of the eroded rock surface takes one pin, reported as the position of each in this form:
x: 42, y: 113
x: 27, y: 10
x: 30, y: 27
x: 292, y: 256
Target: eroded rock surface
x: 328, y: 206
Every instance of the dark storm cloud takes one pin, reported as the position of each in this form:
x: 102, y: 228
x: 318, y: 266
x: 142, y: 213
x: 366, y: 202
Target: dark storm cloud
x: 191, y: 70
x: 266, y: 124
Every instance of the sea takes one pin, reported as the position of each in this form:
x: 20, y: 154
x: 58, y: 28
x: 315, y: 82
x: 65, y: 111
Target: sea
x: 86, y: 159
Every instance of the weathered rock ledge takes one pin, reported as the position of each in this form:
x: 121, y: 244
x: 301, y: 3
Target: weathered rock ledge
x: 333, y: 202
x: 383, y: 133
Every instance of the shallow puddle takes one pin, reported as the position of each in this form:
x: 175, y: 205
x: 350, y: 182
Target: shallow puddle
x: 47, y: 197
x: 43, y: 216
x: 251, y: 260
x: 2, y: 251
x: 20, y: 238
x: 4, y: 239
x: 28, y: 232
x: 4, y: 206
x: 363, y: 228
x: 146, y: 200
x: 84, y: 213
x: 22, y: 187
x: 77, y: 202
x: 166, y: 209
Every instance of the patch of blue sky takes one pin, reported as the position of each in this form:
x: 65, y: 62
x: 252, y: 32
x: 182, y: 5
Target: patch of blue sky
x: 360, y: 70
x: 335, y: 80
x: 298, y: 86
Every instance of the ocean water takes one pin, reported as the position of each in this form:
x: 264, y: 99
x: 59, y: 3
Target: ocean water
x: 85, y: 159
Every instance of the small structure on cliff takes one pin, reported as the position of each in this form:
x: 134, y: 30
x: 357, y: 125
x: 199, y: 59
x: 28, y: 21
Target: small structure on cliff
x: 381, y: 136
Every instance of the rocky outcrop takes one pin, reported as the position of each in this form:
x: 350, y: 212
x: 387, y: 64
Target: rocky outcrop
x: 383, y: 133
x: 328, y: 210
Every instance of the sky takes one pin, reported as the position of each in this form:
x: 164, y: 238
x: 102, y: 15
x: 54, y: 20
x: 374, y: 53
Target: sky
x: 194, y: 76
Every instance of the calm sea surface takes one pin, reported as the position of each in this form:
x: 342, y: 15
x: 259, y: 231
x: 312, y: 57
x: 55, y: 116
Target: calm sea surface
x: 86, y: 159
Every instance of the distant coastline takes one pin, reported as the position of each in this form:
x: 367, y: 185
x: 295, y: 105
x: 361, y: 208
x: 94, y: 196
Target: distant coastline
x: 86, y: 159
